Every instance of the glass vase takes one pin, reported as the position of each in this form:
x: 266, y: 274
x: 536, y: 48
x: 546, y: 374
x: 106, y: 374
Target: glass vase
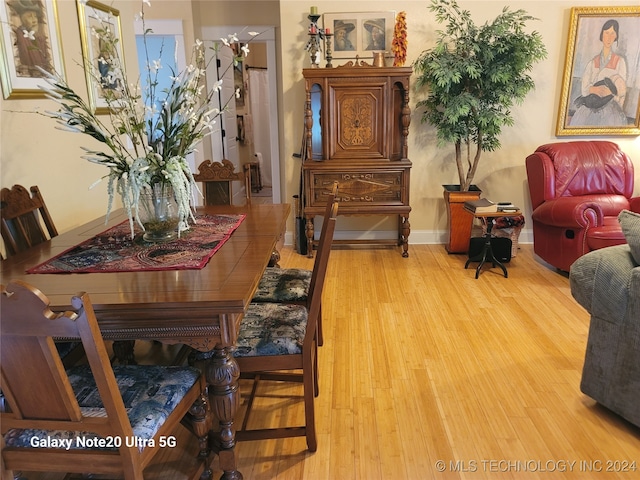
x: 158, y: 213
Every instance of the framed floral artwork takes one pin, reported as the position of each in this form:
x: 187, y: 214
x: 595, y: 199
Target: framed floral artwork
x: 360, y: 34
x: 601, y: 83
x: 29, y: 40
x: 104, y: 68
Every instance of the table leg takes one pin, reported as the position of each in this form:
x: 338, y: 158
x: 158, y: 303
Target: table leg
x: 274, y: 261
x: 123, y: 352
x: 222, y: 373
x: 487, y: 253
x: 309, y: 233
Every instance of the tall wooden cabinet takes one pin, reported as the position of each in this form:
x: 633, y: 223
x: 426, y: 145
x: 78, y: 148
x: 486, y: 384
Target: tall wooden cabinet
x: 356, y: 126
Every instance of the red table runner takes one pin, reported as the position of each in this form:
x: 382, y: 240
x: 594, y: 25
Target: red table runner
x: 114, y: 251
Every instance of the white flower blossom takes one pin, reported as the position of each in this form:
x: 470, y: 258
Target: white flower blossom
x: 217, y: 86
x: 137, y: 150
x: 94, y: 184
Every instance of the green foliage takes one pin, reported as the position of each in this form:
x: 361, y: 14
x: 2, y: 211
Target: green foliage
x: 474, y: 75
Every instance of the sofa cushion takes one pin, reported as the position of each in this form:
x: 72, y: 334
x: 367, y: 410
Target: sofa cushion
x: 589, y: 167
x: 630, y: 223
x: 600, y: 282
x: 605, y: 236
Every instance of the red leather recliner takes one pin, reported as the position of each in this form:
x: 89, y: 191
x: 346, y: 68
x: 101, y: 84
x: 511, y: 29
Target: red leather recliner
x: 577, y: 190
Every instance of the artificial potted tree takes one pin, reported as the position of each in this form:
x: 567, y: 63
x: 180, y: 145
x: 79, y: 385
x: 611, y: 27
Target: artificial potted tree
x: 474, y: 75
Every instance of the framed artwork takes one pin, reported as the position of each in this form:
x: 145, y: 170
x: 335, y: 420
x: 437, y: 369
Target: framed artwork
x: 30, y: 39
x: 98, y: 59
x: 360, y: 34
x: 601, y: 83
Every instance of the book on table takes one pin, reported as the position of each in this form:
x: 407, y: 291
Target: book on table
x: 481, y: 205
x: 507, y: 207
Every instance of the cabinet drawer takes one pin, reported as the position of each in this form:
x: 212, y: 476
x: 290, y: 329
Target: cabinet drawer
x: 385, y: 187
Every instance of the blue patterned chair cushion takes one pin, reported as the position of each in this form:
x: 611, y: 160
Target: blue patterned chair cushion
x: 272, y: 329
x: 268, y: 329
x: 283, y: 285
x: 150, y: 394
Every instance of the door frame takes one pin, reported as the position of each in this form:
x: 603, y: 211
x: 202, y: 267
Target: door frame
x: 268, y: 37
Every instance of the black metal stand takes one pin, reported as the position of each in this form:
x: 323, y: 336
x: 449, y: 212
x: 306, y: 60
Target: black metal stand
x: 487, y: 252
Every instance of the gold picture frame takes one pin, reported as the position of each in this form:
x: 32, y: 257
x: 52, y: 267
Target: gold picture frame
x: 29, y: 38
x: 91, y: 15
x: 601, y: 96
x: 359, y: 39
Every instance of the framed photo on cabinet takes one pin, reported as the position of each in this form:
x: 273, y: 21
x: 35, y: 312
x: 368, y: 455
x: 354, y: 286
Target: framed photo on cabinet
x: 103, y: 60
x: 601, y: 82
x: 29, y: 41
x: 360, y: 34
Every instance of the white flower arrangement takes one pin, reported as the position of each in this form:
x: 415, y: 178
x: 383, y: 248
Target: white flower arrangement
x: 145, y: 145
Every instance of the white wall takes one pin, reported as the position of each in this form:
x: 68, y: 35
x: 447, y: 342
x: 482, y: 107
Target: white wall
x: 33, y: 152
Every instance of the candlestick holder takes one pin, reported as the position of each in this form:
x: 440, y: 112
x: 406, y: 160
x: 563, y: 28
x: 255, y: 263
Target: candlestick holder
x: 328, y: 38
x: 315, y: 34
x: 313, y: 46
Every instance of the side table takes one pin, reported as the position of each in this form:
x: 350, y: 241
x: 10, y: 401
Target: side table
x: 487, y: 251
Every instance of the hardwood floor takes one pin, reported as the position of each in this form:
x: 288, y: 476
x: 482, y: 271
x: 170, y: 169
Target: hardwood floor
x: 422, y: 364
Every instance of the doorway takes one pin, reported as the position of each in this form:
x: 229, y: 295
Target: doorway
x: 251, y: 127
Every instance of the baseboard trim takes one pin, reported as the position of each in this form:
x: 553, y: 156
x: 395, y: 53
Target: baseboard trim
x: 417, y: 237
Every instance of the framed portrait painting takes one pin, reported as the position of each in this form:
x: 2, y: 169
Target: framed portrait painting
x: 99, y: 61
x: 360, y: 34
x: 29, y: 41
x: 601, y: 82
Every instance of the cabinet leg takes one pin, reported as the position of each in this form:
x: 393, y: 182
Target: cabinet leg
x: 405, y: 231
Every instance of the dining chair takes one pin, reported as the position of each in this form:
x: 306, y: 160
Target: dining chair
x: 92, y: 418
x: 218, y: 178
x: 278, y: 340
x: 291, y: 285
x: 26, y: 222
x: 25, y: 219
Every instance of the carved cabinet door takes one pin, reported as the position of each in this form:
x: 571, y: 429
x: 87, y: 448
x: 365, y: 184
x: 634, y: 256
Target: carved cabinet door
x: 357, y: 122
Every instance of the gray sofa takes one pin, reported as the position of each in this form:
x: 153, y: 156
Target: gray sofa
x: 606, y: 283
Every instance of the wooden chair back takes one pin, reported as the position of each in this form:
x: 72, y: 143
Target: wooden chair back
x: 321, y: 262
x: 39, y: 393
x: 331, y: 198
x: 217, y: 179
x: 25, y: 219
x: 286, y: 367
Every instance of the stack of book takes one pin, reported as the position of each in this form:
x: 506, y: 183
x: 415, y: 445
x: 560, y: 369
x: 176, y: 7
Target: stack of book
x: 507, y: 207
x: 481, y: 205
x: 484, y: 205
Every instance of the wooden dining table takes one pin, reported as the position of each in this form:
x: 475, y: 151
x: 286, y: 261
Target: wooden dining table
x: 201, y: 308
